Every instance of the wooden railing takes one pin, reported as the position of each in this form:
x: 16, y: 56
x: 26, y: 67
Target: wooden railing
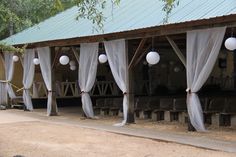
x: 71, y: 89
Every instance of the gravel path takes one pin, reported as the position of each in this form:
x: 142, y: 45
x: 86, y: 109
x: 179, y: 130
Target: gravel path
x: 31, y: 137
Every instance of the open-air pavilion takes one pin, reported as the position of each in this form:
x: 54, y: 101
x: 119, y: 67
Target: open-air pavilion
x: 189, y: 41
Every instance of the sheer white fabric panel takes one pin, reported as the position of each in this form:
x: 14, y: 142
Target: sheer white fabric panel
x: 116, y: 54
x: 35, y: 91
x: 88, y: 61
x: 28, y: 77
x: 203, y: 47
x: 45, y: 65
x: 9, y: 71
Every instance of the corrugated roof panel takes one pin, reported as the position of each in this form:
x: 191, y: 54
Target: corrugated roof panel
x: 220, y: 9
x: 129, y: 15
x: 186, y: 11
x: 201, y: 10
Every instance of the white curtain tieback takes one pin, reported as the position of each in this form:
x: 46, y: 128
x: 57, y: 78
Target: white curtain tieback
x: 4, y: 81
x: 125, y: 93
x: 188, y: 90
x: 83, y: 92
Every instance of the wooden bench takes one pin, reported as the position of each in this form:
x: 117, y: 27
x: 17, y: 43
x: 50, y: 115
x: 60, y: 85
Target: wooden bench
x: 141, y: 108
x: 17, y: 102
x: 116, y: 107
x: 212, y: 108
x: 179, y: 111
x: 99, y: 104
x: 166, y: 105
x: 105, y: 109
x: 229, y: 113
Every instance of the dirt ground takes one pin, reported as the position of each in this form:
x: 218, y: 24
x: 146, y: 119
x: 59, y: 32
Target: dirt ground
x: 29, y: 136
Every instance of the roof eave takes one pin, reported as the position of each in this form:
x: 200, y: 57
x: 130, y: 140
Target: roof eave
x: 167, y: 29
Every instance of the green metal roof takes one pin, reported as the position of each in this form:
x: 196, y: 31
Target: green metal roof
x: 129, y: 15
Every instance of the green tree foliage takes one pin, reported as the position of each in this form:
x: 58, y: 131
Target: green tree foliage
x: 16, y: 15
x: 168, y: 6
x: 93, y: 11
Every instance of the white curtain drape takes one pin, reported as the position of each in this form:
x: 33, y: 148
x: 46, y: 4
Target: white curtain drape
x: 28, y: 77
x: 116, y: 54
x: 203, y: 47
x: 44, y: 56
x: 35, y: 90
x: 88, y: 61
x: 9, y: 71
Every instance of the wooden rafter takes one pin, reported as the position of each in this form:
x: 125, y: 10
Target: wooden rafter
x: 56, y: 57
x: 142, y: 54
x: 75, y: 54
x: 3, y: 61
x: 137, y: 52
x: 177, y: 50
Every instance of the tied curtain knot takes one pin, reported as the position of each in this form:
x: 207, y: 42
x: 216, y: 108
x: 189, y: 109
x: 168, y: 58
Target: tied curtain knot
x: 83, y: 92
x: 188, y: 90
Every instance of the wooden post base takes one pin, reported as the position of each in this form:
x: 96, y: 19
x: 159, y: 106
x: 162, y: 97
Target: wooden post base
x: 130, y: 118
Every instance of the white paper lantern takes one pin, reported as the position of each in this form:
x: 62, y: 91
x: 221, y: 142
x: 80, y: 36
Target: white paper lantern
x: 15, y: 58
x: 230, y: 43
x: 64, y: 60
x: 153, y: 57
x: 176, y: 69
x: 72, y: 63
x: 36, y: 61
x: 72, y: 67
x: 102, y: 58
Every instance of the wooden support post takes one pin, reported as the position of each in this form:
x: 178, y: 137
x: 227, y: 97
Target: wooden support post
x: 190, y: 126
x: 131, y: 97
x: 234, y: 74
x: 130, y: 118
x: 54, y: 102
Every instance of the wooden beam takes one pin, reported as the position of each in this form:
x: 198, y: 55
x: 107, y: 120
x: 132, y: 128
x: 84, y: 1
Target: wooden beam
x: 141, y: 56
x: 2, y: 58
x: 137, y: 52
x: 75, y: 54
x: 56, y: 57
x: 177, y: 51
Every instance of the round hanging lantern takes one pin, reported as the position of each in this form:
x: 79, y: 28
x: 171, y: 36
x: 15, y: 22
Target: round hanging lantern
x: 36, y: 61
x: 230, y: 43
x: 72, y: 67
x: 72, y: 63
x: 15, y: 58
x: 176, y: 69
x: 153, y: 57
x: 102, y: 58
x: 64, y: 60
